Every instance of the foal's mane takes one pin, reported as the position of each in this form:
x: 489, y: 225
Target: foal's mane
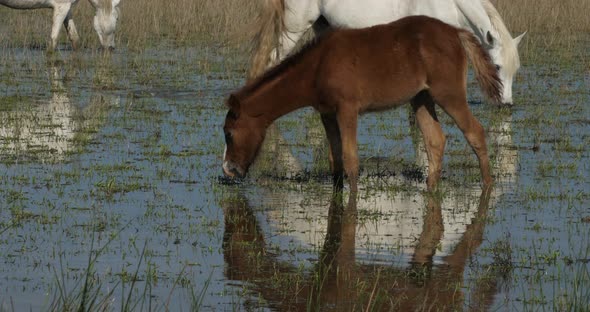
x: 509, y: 49
x: 280, y: 68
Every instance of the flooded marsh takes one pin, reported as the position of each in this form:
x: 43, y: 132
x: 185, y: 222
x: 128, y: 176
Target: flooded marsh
x: 112, y: 196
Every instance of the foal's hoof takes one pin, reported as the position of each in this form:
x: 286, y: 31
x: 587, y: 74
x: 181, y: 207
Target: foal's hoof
x: 488, y: 184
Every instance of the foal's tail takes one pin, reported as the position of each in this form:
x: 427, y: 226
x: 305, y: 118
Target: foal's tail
x: 485, y: 71
x: 270, y: 27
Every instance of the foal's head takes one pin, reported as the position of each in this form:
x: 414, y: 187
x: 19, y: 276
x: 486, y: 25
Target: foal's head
x: 243, y: 137
x: 105, y: 21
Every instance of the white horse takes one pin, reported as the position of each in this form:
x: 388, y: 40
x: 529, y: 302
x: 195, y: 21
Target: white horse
x: 291, y: 19
x: 105, y: 20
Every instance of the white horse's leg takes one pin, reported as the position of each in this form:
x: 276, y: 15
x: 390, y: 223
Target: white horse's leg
x: 71, y: 30
x: 299, y: 17
x: 60, y: 12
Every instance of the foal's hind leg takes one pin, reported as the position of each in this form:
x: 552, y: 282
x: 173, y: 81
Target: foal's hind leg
x: 434, y: 139
x: 333, y: 133
x: 456, y: 106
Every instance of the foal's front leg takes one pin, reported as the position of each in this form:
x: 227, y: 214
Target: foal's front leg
x: 456, y: 106
x: 347, y: 123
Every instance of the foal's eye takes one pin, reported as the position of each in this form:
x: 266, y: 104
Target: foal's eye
x: 232, y: 115
x: 498, y: 67
x: 228, y: 137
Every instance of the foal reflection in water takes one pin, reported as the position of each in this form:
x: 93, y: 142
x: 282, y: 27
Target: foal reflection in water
x: 349, y: 72
x: 343, y: 281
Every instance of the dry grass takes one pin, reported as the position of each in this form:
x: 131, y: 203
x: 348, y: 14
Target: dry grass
x: 21, y: 28
x: 555, y: 24
x: 192, y: 22
x: 545, y: 16
x: 141, y: 23
x: 186, y: 21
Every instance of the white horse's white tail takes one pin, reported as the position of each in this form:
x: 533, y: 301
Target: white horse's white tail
x: 271, y: 26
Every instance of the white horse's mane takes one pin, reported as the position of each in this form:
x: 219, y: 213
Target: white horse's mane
x: 107, y: 4
x: 509, y: 49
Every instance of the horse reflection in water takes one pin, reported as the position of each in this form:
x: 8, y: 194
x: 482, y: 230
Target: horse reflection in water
x: 47, y: 131
x: 419, y: 245
x: 342, y: 279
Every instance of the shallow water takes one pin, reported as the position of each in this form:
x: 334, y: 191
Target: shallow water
x: 111, y: 170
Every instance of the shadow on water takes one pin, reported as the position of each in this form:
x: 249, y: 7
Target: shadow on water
x: 342, y: 278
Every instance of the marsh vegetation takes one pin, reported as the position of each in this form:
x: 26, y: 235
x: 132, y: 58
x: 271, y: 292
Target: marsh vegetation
x: 111, y: 196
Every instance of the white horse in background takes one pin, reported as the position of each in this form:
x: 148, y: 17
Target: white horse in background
x: 286, y: 21
x: 105, y: 19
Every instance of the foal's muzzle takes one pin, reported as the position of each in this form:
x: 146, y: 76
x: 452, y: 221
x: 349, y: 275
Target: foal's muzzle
x: 232, y: 170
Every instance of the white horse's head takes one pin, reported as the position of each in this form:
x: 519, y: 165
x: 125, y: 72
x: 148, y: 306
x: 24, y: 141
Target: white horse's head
x: 503, y: 50
x: 105, y: 21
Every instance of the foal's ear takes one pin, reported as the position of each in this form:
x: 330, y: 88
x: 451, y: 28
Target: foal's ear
x: 233, y: 103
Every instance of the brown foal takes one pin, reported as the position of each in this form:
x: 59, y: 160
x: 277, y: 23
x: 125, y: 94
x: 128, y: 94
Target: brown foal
x: 349, y: 72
